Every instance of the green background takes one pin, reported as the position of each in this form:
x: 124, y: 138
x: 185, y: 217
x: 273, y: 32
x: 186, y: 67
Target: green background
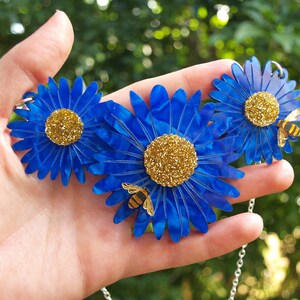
x: 119, y: 42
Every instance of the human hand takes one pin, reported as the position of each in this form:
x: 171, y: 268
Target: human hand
x: 60, y: 242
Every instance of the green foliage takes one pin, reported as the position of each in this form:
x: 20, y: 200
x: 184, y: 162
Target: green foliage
x: 120, y: 42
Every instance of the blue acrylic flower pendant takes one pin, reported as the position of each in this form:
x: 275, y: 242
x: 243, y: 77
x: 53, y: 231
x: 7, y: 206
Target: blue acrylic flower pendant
x: 58, y: 129
x: 168, y: 164
x: 262, y: 104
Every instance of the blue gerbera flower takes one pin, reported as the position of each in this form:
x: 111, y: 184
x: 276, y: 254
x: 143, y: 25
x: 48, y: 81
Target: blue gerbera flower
x: 59, y: 129
x: 257, y: 101
x: 168, y: 163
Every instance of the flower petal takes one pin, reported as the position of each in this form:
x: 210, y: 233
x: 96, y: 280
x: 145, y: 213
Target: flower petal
x: 253, y: 73
x: 141, y: 223
x: 241, y: 79
x: 64, y: 93
x: 161, y: 109
x: 123, y: 212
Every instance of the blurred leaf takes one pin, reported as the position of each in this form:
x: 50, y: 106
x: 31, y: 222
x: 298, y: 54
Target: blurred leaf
x: 248, y: 30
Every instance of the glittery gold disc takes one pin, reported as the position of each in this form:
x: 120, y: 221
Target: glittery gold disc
x: 170, y: 160
x: 262, y: 109
x: 64, y: 127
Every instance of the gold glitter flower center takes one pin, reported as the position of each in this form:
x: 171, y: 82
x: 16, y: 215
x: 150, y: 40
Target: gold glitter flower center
x: 170, y: 160
x: 64, y: 127
x: 262, y: 109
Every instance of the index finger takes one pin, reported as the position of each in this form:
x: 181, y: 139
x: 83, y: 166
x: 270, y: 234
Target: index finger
x: 191, y: 79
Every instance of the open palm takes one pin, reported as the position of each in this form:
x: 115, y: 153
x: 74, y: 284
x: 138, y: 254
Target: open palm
x: 59, y: 242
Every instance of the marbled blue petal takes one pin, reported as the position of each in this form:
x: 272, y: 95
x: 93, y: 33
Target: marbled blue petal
x: 286, y: 87
x: 46, y: 159
x: 116, y: 140
x: 32, y: 166
x: 141, y: 223
x: 26, y: 126
x: 77, y: 166
x: 64, y: 93
x: 23, y: 145
x: 115, y: 166
x: 123, y: 212
x: 178, y: 105
x: 107, y: 184
x: 174, y: 224
x: 159, y: 218
x: 85, y: 98
x: 198, y: 125
x: 195, y: 99
x: 217, y: 201
x: 241, y: 78
x: 40, y: 108
x: 287, y: 148
x: 235, y: 86
x: 197, y: 218
x: 226, y: 94
x: 117, y: 197
x: 90, y: 107
x: 54, y: 93
x: 214, y: 184
x: 43, y: 98
x: 253, y: 73
x: 66, y: 168
x: 220, y: 169
x: 55, y: 168
x: 77, y: 91
x: 93, y: 117
x: 119, y: 154
x: 276, y: 84
x: 180, y: 202
x: 290, y: 96
x: 126, y: 124
x: 143, y: 115
x: 288, y: 107
x: 160, y: 106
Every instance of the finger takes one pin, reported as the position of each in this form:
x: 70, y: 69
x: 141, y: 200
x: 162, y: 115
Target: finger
x: 33, y: 60
x: 153, y: 256
x: 263, y: 179
x: 191, y: 79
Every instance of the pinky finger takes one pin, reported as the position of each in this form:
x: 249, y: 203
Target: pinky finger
x: 223, y: 237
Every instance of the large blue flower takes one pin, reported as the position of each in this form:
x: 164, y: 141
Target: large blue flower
x: 257, y: 100
x: 59, y: 129
x: 168, y: 156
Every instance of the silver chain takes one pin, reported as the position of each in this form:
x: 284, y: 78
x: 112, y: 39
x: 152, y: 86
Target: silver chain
x: 240, y: 262
x: 22, y: 103
x: 106, y: 293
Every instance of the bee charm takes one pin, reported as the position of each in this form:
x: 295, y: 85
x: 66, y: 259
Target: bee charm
x: 140, y: 197
x: 286, y: 128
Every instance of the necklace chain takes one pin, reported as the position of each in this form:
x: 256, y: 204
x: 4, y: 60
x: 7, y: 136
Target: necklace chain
x: 240, y: 262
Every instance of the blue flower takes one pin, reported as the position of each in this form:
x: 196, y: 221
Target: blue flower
x: 167, y: 164
x: 59, y: 129
x: 257, y: 100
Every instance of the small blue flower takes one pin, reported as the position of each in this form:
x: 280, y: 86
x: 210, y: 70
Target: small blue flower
x: 169, y: 163
x: 59, y: 129
x: 256, y: 100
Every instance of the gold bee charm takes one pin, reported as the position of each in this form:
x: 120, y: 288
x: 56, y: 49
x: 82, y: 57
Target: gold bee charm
x: 140, y: 197
x: 286, y: 128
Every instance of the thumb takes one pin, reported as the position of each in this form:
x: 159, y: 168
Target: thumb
x: 33, y: 60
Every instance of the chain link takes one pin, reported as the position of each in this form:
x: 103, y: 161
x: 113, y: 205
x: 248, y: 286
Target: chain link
x: 240, y: 262
x: 22, y: 103
x: 106, y: 293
